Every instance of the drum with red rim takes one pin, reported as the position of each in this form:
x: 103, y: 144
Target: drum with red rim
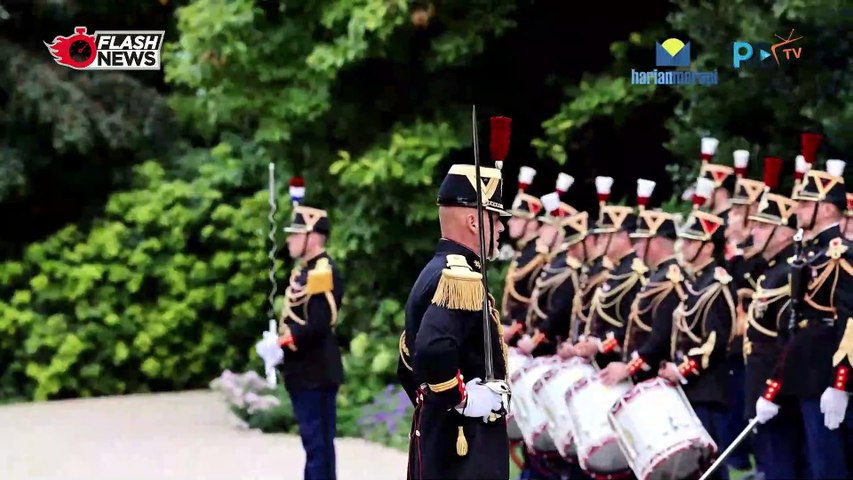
x: 588, y: 403
x: 550, y: 395
x: 527, y: 415
x: 660, y: 433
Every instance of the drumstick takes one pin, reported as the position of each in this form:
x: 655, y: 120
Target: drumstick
x: 730, y: 449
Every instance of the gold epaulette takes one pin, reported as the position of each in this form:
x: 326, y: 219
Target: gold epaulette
x: 573, y: 262
x: 320, y: 278
x: 459, y: 288
x: 607, y: 263
x: 836, y: 248
x: 674, y: 275
x: 638, y: 266
x: 722, y: 276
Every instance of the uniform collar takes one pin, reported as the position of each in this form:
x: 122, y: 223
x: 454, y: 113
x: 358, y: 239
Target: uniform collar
x: 783, y: 256
x: 704, y: 268
x: 448, y: 247
x: 625, y: 257
x: 665, y: 263
x: 313, y: 260
x: 826, y: 235
x: 528, y: 240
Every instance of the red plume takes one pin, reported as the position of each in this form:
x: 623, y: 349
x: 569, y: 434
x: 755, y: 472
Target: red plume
x: 810, y: 143
x: 500, y: 138
x: 297, y: 182
x: 772, y: 167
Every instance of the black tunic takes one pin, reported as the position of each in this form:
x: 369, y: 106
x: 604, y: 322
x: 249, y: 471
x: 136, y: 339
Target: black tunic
x: 806, y: 368
x: 649, y: 332
x: 314, y: 359
x: 520, y: 281
x: 553, y: 297
x: 768, y: 309
x: 444, y: 343
x: 593, y: 274
x: 611, y: 306
x: 745, y: 271
x: 701, y: 334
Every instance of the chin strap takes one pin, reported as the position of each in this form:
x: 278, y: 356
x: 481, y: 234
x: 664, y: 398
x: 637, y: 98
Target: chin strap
x: 813, y: 219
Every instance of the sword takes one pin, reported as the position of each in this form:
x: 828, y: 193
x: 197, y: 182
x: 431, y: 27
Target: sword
x: 737, y: 441
x: 487, y: 327
x: 496, y: 385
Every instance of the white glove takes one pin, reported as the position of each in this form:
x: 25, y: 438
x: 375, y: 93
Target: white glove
x: 269, y: 350
x: 526, y: 344
x: 481, y: 400
x: 765, y: 410
x: 833, y: 405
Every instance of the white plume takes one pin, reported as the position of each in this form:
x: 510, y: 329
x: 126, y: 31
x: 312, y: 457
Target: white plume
x: 297, y: 192
x: 645, y: 187
x: 835, y: 167
x: 801, y: 164
x: 741, y: 158
x: 603, y: 184
x: 709, y: 145
x: 564, y: 182
x: 551, y: 202
x: 704, y: 187
x: 525, y: 175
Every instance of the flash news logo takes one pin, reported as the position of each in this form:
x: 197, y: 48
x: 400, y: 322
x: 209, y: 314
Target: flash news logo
x: 108, y: 50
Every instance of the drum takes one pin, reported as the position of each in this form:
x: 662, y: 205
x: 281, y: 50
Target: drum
x: 516, y: 360
x: 589, y: 402
x: 660, y: 433
x: 528, y: 416
x: 550, y: 395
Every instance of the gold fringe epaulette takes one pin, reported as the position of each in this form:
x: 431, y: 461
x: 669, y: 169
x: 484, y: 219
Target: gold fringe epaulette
x: 459, y: 288
x: 320, y: 278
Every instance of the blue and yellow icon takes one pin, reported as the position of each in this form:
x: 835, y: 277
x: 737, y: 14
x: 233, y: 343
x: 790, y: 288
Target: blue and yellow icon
x: 672, y: 53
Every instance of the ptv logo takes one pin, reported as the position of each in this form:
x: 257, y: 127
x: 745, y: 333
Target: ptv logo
x: 754, y: 55
x: 108, y: 50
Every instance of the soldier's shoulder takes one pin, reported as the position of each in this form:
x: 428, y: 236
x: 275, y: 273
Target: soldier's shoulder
x: 321, y: 277
x: 839, y: 248
x: 459, y: 286
x: 722, y: 276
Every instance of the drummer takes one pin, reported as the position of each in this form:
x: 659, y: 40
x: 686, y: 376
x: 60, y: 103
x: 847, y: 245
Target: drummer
x: 612, y: 300
x: 528, y: 260
x: 593, y: 272
x: 554, y: 290
x: 647, y: 337
x: 703, y: 321
x: 777, y: 443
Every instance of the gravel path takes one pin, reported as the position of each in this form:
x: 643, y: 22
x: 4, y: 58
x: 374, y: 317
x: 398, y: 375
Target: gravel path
x: 176, y: 436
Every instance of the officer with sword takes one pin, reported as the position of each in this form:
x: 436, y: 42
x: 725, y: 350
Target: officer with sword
x: 455, y: 347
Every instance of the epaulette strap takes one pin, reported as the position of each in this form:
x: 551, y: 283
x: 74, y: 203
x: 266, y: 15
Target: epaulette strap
x: 320, y: 278
x: 836, y: 248
x: 459, y: 288
x: 638, y: 266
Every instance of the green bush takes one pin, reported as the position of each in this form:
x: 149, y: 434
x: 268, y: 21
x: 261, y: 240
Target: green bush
x: 164, y: 292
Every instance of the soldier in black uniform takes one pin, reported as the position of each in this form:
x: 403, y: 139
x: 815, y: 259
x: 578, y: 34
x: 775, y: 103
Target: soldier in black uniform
x: 814, y: 366
x: 611, y: 303
x: 528, y: 260
x: 777, y: 443
x: 312, y: 367
x: 549, y: 315
x: 703, y: 324
x: 458, y: 429
x: 745, y: 264
x: 555, y: 327
x: 647, y: 336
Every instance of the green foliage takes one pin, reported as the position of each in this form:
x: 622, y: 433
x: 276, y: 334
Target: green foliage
x: 164, y: 290
x: 762, y: 110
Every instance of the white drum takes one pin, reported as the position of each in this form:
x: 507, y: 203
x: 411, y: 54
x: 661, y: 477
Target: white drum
x: 589, y: 403
x: 516, y: 360
x: 660, y: 433
x: 550, y: 395
x: 528, y: 416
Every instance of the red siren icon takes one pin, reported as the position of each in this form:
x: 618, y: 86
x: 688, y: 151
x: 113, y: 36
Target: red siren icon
x: 77, y: 51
